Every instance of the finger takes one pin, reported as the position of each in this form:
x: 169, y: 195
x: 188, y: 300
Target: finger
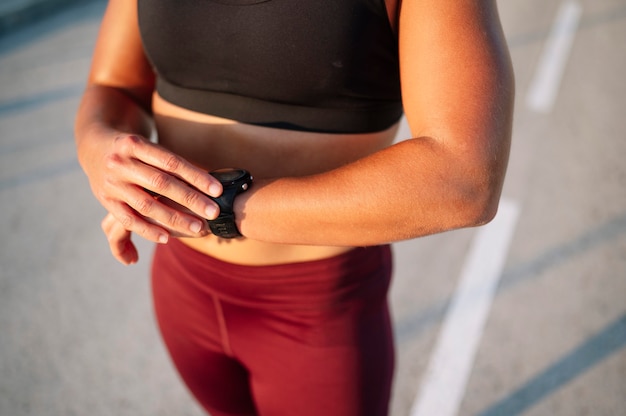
x: 107, y: 223
x: 172, y: 216
x: 163, y: 173
x: 160, y: 158
x: 121, y: 245
x: 164, y: 184
x: 131, y: 221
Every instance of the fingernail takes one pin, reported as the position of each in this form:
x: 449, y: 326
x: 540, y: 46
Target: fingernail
x: 195, y: 227
x: 210, y: 213
x: 215, y: 190
x: 163, y: 239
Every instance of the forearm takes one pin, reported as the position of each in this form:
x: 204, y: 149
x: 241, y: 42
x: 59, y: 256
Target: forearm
x: 415, y: 188
x: 104, y: 113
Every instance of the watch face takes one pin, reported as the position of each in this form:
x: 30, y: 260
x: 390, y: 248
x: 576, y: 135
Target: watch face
x: 228, y: 175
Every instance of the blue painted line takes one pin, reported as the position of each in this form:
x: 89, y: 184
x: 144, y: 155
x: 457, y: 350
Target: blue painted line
x: 30, y: 24
x: 412, y: 326
x: 603, y: 234
x: 587, y: 355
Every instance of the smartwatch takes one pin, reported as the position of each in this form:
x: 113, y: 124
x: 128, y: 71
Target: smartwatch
x: 234, y: 182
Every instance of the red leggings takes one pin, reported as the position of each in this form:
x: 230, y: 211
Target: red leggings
x: 311, y: 338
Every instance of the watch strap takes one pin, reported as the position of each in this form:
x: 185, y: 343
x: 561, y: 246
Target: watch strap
x: 224, y: 226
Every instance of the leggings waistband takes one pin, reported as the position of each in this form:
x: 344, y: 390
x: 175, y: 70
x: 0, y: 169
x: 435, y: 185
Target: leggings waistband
x: 363, y: 271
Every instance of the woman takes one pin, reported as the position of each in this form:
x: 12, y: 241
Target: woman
x: 290, y: 317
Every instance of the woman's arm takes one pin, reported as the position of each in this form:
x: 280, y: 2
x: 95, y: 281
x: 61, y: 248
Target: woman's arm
x: 458, y: 90
x: 112, y: 128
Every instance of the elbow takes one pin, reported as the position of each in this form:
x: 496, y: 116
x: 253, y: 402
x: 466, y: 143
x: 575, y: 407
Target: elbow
x: 483, y: 212
x: 479, y: 206
x: 479, y: 185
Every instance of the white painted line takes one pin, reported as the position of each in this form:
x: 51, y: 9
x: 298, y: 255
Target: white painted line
x: 547, y: 80
x: 450, y: 364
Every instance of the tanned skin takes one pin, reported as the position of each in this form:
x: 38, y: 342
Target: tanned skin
x: 351, y: 190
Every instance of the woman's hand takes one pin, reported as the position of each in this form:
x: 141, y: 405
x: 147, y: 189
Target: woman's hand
x: 120, y: 243
x: 119, y: 238
x: 113, y: 121
x: 127, y: 174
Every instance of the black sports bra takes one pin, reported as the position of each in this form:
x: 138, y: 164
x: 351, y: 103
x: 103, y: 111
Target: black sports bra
x: 314, y: 65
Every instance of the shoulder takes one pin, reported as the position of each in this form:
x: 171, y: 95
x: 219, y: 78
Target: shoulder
x: 119, y: 59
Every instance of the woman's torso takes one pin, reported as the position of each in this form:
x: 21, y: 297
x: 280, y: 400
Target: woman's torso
x: 325, y: 70
x: 212, y: 143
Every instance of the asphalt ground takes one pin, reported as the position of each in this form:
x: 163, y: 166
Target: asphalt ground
x: 543, y: 286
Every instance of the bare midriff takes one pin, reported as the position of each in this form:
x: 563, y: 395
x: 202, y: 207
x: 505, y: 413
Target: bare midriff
x: 212, y: 143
